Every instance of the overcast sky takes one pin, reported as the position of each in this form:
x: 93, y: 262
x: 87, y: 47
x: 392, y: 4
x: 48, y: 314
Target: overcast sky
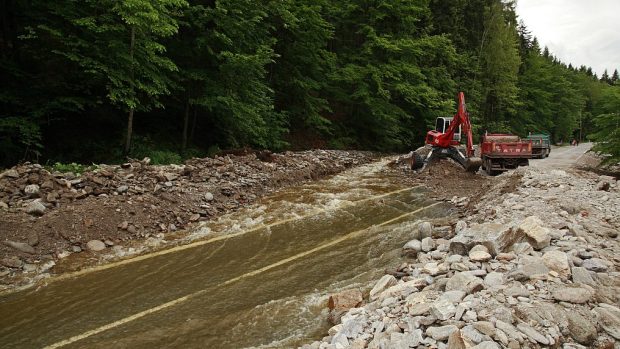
x: 576, y: 31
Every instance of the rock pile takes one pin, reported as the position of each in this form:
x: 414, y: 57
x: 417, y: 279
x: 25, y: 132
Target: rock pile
x: 529, y: 268
x: 47, y: 215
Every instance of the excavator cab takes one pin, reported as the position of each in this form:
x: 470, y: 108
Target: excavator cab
x: 442, y: 124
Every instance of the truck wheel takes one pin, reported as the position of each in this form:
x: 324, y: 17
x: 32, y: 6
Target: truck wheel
x: 416, y: 161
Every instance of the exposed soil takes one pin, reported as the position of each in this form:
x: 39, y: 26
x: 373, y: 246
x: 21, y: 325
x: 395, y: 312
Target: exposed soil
x: 132, y: 202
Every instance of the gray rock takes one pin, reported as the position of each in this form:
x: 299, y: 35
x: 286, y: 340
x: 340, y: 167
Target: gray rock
x: 32, y: 190
x: 485, y: 327
x: 76, y: 249
x: 496, y: 237
x: 471, y: 335
x: 12, y: 262
x: 494, y: 279
x: 558, y: 262
x: 453, y: 296
x: 425, y: 229
x: 464, y: 281
x: 595, y: 264
x: 510, y: 330
x: 573, y: 294
x: 405, y: 340
x: 522, y: 248
x: 608, y: 318
x: 581, y: 275
x: 4, y: 205
x: 487, y: 345
x: 383, y: 284
x: 442, y: 309
x: 537, y: 234
x: 10, y: 174
x: 428, y: 244
x: 460, y: 226
x: 95, y: 245
x: 441, y: 333
x: 581, y: 328
x: 209, y: 197
x: 20, y: 246
x: 122, y: 189
x: 340, y: 340
x: 532, y: 334
x: 531, y: 268
x: 412, y: 248
x: 35, y: 208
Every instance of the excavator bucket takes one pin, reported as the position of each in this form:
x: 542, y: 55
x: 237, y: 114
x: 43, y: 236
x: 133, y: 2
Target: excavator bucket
x: 472, y: 164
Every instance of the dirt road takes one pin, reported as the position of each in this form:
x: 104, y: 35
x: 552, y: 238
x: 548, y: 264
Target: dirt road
x: 562, y: 157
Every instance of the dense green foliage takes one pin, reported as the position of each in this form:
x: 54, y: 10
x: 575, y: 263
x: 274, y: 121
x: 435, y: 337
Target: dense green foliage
x: 93, y: 81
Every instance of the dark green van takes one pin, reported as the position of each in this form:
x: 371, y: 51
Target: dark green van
x: 541, y: 144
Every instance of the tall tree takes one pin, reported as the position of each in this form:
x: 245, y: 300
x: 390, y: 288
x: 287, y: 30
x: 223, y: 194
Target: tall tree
x: 119, y: 43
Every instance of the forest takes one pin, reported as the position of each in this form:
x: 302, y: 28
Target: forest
x: 94, y: 81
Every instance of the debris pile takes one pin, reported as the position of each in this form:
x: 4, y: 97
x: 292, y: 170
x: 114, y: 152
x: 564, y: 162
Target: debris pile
x: 533, y: 264
x: 47, y: 215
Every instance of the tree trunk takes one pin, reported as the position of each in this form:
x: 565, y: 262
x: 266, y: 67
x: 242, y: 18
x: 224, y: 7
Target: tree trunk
x: 191, y: 135
x: 129, y: 132
x: 131, y: 109
x: 185, y: 125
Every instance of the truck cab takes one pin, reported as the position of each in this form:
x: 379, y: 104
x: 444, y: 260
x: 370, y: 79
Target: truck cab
x: 442, y: 124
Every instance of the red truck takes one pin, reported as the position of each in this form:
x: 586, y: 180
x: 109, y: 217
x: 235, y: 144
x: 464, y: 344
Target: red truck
x: 503, y: 152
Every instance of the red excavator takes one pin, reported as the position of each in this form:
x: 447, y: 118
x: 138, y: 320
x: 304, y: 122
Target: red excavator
x: 445, y: 139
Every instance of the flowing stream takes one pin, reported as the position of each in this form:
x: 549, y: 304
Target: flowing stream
x: 258, y: 278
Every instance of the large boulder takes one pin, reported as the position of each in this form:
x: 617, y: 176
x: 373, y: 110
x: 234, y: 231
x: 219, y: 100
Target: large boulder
x: 581, y: 328
x: 536, y: 233
x: 494, y: 236
x: 345, y: 300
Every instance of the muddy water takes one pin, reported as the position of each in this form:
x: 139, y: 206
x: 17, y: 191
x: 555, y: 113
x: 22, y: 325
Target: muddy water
x: 261, y: 280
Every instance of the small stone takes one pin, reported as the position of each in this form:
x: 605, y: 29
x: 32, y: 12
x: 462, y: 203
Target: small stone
x: 577, y: 295
x: 608, y: 317
x: 12, y: 262
x: 537, y: 234
x: 345, y: 300
x: 425, y: 229
x: 124, y: 225
x: 455, y: 341
x: 581, y: 328
x: 603, y: 185
x: 532, y: 334
x: 460, y: 226
x: 4, y: 205
x: 108, y: 243
x: 581, y: 275
x: 428, y: 244
x: 122, y: 189
x: 557, y: 261
x: 384, y: 283
x: 35, y: 208
x: 209, y: 197
x: 10, y: 174
x: 32, y: 190
x: 20, y: 246
x: 443, y: 309
x: 595, y: 264
x: 95, y: 245
x: 76, y: 249
x: 485, y: 327
x: 464, y: 281
x: 479, y: 256
x: 194, y: 218
x: 412, y: 248
x: 441, y: 333
x: 494, y: 279
x: 486, y: 345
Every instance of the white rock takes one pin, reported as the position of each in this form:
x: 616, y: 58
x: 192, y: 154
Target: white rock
x: 35, y: 208
x: 95, y: 245
x: 443, y: 309
x: 32, y: 190
x: 384, y: 283
x: 441, y: 333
